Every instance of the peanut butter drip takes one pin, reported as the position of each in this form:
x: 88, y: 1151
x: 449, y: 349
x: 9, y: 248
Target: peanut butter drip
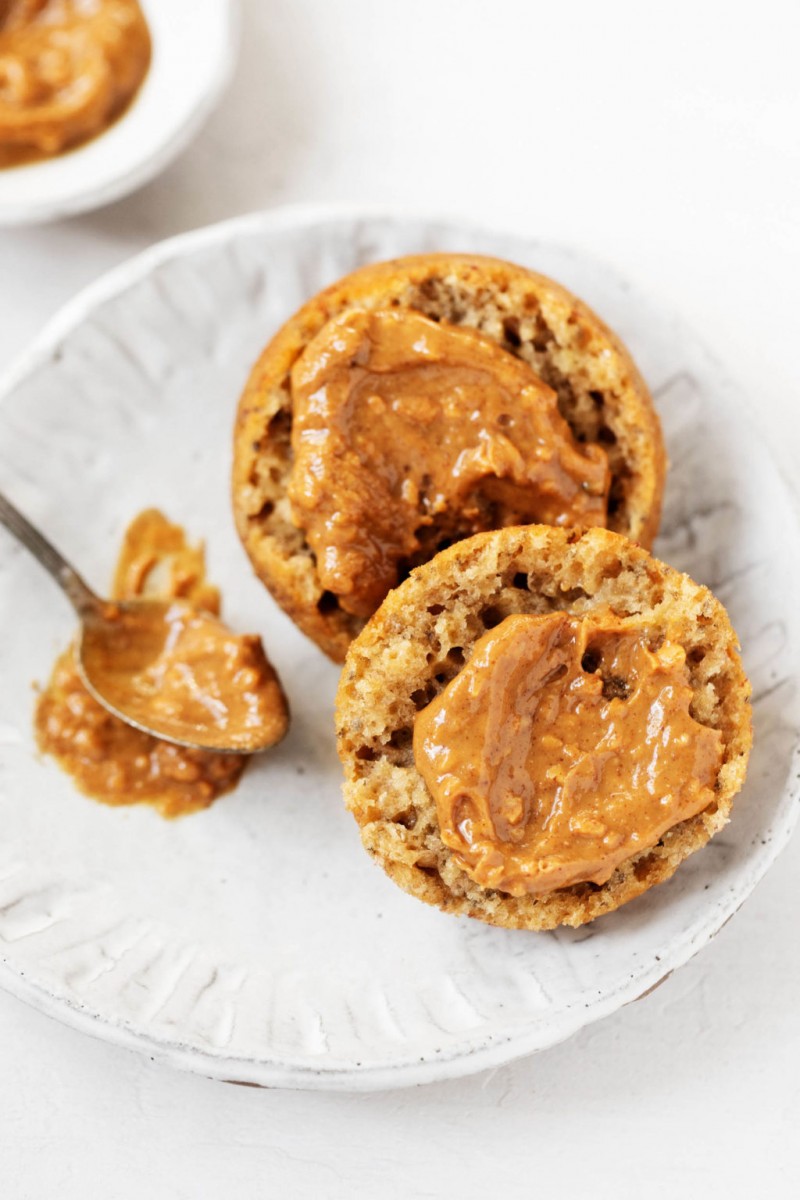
x: 409, y: 434
x: 200, y: 674
x: 562, y: 748
x: 68, y: 68
x: 157, y: 562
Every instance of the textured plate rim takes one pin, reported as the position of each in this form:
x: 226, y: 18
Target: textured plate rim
x: 143, y: 170
x: 470, y: 1056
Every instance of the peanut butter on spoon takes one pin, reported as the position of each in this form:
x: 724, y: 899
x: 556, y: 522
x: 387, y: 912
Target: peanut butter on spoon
x: 158, y: 700
x: 180, y: 674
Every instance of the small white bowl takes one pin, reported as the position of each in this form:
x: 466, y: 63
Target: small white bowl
x: 194, y: 51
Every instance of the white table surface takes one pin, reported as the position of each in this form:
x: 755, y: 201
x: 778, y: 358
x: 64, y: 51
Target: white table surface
x: 666, y: 143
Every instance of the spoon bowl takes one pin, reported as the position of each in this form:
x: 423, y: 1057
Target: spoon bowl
x: 171, y: 672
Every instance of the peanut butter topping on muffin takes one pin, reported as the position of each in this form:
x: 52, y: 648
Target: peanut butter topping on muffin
x: 410, y: 433
x: 564, y: 747
x: 320, y: 560
x: 616, y: 709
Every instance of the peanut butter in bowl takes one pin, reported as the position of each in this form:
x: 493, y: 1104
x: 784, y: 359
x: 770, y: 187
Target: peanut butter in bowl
x: 68, y: 70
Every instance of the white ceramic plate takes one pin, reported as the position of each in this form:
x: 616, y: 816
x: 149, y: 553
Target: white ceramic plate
x: 256, y: 941
x: 194, y: 51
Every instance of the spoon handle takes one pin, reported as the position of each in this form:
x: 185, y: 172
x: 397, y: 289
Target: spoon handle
x: 80, y: 595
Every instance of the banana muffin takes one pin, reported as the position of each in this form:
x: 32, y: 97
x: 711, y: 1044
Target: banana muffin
x: 421, y: 401
x: 540, y: 724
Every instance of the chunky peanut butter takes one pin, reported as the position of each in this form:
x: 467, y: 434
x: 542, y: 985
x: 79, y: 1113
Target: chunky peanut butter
x: 68, y: 69
x: 562, y: 748
x: 156, y: 562
x: 198, y: 672
x: 115, y: 763
x: 409, y: 434
x: 181, y: 671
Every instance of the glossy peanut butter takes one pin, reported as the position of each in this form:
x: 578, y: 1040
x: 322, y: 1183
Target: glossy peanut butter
x: 410, y: 433
x: 562, y: 748
x: 68, y: 69
x: 181, y: 671
x: 156, y: 562
x: 117, y: 764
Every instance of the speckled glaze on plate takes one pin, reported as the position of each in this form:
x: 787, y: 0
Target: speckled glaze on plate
x: 256, y: 941
x: 194, y: 52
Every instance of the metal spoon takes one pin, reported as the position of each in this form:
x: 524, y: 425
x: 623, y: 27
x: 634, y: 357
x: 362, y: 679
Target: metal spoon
x: 116, y: 639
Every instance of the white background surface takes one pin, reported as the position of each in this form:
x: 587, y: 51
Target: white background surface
x: 667, y: 143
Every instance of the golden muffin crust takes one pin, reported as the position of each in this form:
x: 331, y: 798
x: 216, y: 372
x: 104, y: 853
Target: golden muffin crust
x: 600, y: 394
x: 424, y: 632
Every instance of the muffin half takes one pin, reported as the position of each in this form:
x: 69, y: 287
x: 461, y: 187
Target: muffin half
x: 418, y: 402
x: 540, y: 724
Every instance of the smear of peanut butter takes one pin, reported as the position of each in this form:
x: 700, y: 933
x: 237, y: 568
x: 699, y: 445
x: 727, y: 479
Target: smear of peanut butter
x: 409, y: 434
x: 562, y: 748
x: 203, y: 666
